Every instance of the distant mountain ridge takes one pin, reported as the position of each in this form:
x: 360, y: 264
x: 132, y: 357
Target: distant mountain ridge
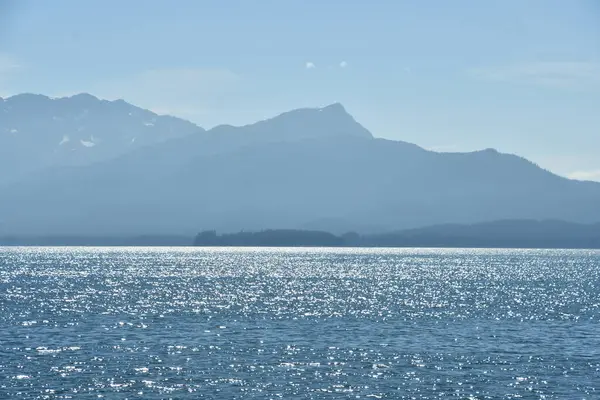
x: 548, y: 234
x: 493, y: 234
x: 303, y: 123
x: 313, y: 168
x: 502, y: 233
x: 38, y: 132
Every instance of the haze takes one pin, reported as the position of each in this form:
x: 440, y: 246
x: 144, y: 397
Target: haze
x: 153, y: 118
x: 521, y: 77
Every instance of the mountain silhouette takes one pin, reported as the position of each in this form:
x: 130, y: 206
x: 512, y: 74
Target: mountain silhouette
x: 330, y: 121
x: 313, y: 168
x: 37, y: 132
x: 503, y: 233
x: 547, y: 234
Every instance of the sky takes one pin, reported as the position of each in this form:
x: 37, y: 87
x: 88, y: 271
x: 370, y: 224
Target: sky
x: 519, y: 76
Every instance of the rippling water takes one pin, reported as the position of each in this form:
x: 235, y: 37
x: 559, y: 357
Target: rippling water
x: 184, y: 323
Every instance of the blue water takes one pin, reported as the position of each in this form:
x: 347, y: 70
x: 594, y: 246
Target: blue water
x: 160, y: 323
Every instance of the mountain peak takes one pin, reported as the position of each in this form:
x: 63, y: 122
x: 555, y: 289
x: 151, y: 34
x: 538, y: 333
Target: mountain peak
x: 303, y: 123
x: 334, y: 107
x: 83, y: 97
x: 27, y: 97
x: 37, y: 132
x: 331, y: 120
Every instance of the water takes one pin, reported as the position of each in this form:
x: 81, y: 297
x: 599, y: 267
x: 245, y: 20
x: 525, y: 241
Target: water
x: 184, y: 323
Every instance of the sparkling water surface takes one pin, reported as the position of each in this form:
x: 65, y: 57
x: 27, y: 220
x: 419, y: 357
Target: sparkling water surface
x: 244, y: 323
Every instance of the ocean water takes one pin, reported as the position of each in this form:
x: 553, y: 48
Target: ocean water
x: 240, y: 323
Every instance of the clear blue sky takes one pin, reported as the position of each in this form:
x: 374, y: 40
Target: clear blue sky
x: 522, y: 76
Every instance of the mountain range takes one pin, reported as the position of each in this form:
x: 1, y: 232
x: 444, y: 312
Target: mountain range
x: 81, y: 165
x: 37, y: 132
x: 520, y: 233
